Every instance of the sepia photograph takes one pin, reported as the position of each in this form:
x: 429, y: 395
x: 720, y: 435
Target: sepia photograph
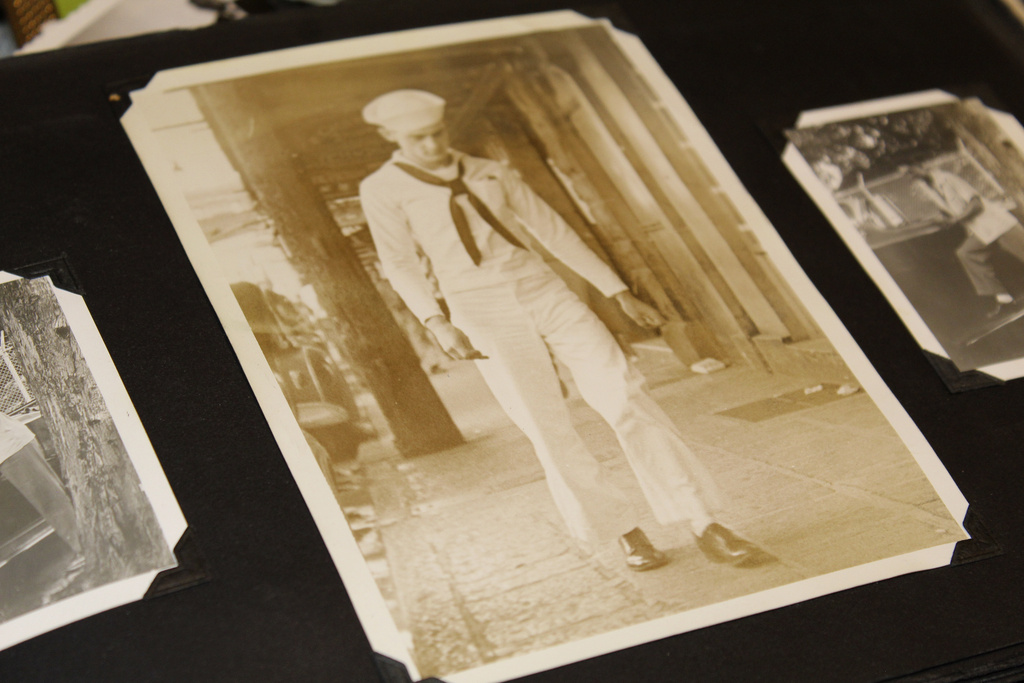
x: 80, y: 531
x: 929, y: 192
x: 547, y: 379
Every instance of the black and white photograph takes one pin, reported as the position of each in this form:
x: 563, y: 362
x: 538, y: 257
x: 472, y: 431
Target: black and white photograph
x: 928, y: 190
x: 80, y: 531
x: 547, y: 379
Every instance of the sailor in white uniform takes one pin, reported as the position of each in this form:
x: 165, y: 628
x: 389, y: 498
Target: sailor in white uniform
x: 987, y: 224
x: 511, y: 313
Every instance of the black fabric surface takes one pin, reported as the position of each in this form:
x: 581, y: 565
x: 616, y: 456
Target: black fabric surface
x: 273, y: 608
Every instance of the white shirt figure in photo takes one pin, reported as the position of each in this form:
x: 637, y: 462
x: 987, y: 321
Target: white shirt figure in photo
x: 511, y: 314
x: 988, y: 223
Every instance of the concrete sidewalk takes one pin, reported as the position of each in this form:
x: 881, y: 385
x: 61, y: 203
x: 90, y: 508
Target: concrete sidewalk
x: 479, y: 568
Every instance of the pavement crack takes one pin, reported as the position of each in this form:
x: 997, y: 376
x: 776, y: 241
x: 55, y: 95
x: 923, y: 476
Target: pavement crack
x: 474, y: 627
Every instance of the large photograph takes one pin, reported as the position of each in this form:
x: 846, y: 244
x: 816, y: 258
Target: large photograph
x: 86, y: 518
x: 928, y: 191
x: 548, y: 381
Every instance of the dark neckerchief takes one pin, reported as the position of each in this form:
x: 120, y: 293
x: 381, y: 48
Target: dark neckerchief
x: 458, y: 187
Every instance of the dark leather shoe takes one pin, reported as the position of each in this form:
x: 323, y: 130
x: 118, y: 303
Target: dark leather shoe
x: 722, y: 545
x: 641, y: 556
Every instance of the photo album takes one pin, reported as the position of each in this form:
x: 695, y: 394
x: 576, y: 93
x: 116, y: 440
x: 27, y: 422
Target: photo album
x: 549, y: 382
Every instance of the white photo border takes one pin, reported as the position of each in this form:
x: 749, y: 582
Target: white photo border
x: 151, y: 480
x: 382, y: 632
x: 823, y: 198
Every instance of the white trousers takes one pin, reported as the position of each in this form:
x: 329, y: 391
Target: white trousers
x: 976, y: 256
x: 520, y: 326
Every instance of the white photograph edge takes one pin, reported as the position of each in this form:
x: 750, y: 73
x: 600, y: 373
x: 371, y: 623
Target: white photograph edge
x: 808, y: 294
x: 827, y: 204
x: 147, y: 466
x: 381, y: 630
x: 380, y: 627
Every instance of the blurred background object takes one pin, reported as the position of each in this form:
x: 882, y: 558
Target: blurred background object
x: 25, y: 17
x: 1016, y: 8
x: 37, y: 25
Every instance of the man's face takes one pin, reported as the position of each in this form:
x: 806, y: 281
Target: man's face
x: 427, y: 147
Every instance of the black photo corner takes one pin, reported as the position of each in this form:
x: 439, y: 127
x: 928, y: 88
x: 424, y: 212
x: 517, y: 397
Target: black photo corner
x: 256, y: 596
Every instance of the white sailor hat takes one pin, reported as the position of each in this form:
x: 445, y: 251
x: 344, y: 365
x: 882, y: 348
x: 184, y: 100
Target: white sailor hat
x: 403, y: 111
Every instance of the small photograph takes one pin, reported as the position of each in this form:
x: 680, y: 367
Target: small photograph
x: 79, y: 530
x: 548, y: 381
x: 928, y: 191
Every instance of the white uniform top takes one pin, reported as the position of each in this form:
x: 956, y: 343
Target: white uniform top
x: 13, y: 436
x: 408, y: 216
x: 952, y: 194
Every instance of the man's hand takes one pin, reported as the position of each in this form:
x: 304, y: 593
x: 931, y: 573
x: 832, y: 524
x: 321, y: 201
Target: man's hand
x: 451, y: 339
x: 973, y: 208
x: 642, y: 314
